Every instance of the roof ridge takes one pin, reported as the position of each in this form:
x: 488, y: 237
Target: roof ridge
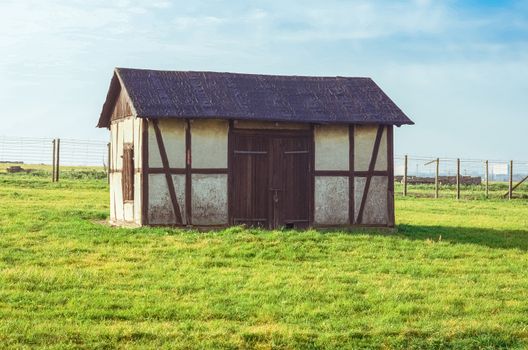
x: 239, y: 73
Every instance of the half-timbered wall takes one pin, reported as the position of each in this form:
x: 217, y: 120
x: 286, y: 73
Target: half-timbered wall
x: 349, y: 159
x: 371, y: 208
x: 193, y: 156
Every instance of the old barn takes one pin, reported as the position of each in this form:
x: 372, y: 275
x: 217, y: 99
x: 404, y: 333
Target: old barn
x: 210, y: 149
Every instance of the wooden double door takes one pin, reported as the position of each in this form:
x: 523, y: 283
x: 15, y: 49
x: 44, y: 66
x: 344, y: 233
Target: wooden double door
x: 270, y: 178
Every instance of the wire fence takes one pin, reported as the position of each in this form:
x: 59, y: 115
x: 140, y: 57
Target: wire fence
x: 460, y: 178
x: 425, y: 167
x: 31, y: 150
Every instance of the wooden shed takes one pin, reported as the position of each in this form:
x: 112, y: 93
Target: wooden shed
x: 209, y: 149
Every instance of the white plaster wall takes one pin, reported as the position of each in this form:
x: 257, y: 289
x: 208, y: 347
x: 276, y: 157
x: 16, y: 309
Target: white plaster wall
x: 376, y: 209
x: 331, y: 147
x: 113, y: 145
x: 331, y: 200
x: 119, y: 146
x: 209, y: 199
x: 127, y: 127
x: 118, y: 197
x: 209, y: 143
x: 128, y: 211
x: 364, y: 139
x: 160, y: 209
x: 137, y: 198
x: 173, y: 134
x: 112, y: 202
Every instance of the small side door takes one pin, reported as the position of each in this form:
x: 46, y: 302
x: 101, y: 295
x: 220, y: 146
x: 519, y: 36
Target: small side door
x: 249, y: 180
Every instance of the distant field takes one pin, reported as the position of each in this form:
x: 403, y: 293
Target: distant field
x: 497, y: 190
x: 43, y: 171
x: 454, y: 276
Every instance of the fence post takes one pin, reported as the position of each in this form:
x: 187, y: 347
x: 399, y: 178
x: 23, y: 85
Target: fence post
x: 487, y: 179
x: 57, y: 166
x: 53, y: 162
x: 510, y: 184
x: 458, y: 179
x: 405, y: 176
x: 437, y: 180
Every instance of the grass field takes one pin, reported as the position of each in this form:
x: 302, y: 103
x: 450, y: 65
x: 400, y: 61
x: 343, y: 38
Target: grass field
x: 455, y: 276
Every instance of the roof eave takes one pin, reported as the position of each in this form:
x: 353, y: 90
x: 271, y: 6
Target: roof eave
x: 278, y: 120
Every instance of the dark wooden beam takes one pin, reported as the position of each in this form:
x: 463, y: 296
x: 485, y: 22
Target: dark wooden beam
x: 311, y: 207
x: 230, y: 149
x: 144, y: 172
x: 390, y: 163
x: 188, y: 175
x: 351, y: 196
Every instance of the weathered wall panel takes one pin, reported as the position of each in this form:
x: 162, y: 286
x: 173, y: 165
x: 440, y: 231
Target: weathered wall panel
x: 376, y: 209
x: 331, y: 147
x: 160, y: 209
x: 209, y: 143
x: 173, y: 134
x: 331, y: 200
x: 364, y: 139
x: 209, y: 199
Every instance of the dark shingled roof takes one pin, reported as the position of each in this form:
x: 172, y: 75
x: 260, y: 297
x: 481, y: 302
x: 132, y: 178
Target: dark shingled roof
x: 176, y: 94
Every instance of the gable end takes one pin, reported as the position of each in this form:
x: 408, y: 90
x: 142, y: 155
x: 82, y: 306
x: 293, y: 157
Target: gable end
x: 117, y: 104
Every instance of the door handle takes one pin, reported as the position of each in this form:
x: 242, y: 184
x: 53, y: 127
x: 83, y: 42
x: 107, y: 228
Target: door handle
x: 275, y: 194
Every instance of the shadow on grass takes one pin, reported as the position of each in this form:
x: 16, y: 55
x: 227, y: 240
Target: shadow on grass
x: 505, y: 239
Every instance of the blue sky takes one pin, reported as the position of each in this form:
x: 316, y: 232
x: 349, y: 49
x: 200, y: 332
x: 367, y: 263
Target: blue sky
x: 459, y: 69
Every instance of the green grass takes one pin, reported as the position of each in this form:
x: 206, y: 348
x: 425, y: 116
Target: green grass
x: 455, y: 276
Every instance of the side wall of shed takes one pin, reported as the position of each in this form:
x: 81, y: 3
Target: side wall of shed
x: 123, y: 131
